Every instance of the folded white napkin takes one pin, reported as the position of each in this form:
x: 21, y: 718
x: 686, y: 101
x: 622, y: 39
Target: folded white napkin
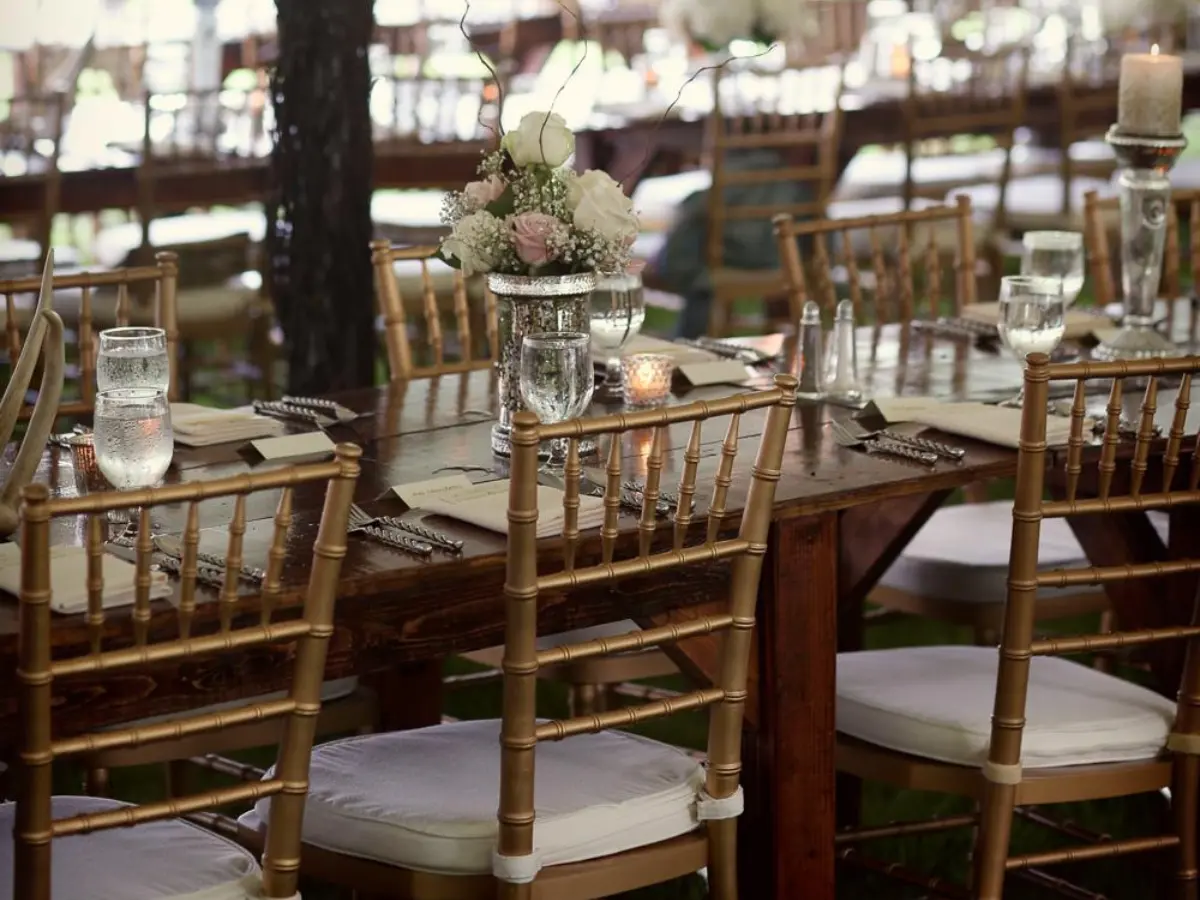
x: 68, y: 578
x: 998, y: 425
x: 1079, y: 322
x: 486, y: 506
x: 681, y: 354
x: 200, y: 426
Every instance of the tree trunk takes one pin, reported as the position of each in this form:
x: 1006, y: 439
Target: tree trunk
x: 319, y: 212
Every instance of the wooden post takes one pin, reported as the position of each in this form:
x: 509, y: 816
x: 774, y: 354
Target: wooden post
x: 319, y: 212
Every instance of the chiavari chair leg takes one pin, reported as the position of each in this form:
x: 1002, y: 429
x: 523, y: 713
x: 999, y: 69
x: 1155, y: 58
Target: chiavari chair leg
x: 177, y: 778
x: 991, y: 849
x: 1185, y: 804
x: 509, y: 891
x: 587, y: 699
x: 722, y: 859
x: 96, y: 783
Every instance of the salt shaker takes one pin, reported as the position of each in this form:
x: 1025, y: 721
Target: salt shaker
x: 841, y: 368
x: 811, y: 340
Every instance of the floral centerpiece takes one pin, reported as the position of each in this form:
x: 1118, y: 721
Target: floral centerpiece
x: 715, y: 23
x: 531, y: 215
x: 541, y: 234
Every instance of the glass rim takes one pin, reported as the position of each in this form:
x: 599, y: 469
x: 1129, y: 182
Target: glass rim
x: 132, y: 333
x: 132, y: 394
x: 544, y: 339
x: 1034, y: 284
x: 1070, y: 239
x: 659, y: 358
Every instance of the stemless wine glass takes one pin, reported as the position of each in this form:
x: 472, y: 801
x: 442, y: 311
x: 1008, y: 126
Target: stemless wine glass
x: 1055, y: 254
x: 133, y: 437
x: 556, y: 379
x: 618, y: 309
x: 133, y: 358
x: 1031, y: 318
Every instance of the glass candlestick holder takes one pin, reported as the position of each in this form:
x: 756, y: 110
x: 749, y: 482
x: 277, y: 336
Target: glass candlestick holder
x: 646, y: 378
x: 1145, y: 195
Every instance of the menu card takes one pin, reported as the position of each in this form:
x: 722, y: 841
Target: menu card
x: 486, y: 505
x: 68, y: 578
x: 998, y: 425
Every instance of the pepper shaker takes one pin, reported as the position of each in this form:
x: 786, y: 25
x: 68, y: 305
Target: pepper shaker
x: 811, y: 340
x: 841, y: 368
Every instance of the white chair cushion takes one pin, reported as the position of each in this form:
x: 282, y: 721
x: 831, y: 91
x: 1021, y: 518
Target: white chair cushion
x: 167, y: 860
x: 1036, y: 202
x: 656, y: 199
x: 961, y: 554
x: 936, y: 702
x: 427, y: 799
x: 331, y: 690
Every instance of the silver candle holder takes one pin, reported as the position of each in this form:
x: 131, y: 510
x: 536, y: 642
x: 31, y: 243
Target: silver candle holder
x: 1145, y: 195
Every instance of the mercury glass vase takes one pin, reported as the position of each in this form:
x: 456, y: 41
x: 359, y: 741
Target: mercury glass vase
x: 531, y: 304
x: 1145, y: 195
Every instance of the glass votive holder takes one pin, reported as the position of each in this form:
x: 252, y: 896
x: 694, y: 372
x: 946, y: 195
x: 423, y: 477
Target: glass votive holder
x: 88, y: 477
x: 646, y: 378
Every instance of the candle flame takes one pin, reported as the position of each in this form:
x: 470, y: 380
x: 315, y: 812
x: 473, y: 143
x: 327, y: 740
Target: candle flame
x: 1154, y: 50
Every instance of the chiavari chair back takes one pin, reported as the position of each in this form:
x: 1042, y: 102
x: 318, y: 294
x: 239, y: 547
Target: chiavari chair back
x: 521, y: 731
x: 1179, y: 256
x: 762, y: 114
x: 196, y: 628
x: 904, y: 278
x: 93, y: 287
x: 405, y: 361
x: 964, y: 92
x: 1087, y: 96
x: 31, y: 124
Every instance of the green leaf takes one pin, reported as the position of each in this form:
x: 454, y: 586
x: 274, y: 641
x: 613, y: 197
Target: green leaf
x: 503, y: 205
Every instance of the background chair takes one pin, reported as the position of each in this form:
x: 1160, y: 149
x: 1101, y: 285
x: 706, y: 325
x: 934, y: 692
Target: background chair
x: 170, y: 852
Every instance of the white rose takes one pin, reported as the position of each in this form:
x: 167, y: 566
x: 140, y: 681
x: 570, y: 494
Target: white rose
x: 601, y: 206
x: 540, y: 139
x: 470, y: 242
x: 786, y: 20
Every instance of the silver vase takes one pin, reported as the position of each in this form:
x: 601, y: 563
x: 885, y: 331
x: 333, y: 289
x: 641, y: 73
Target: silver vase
x: 531, y: 304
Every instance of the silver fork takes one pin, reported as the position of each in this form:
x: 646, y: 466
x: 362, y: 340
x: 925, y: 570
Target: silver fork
x: 383, y: 532
x: 845, y: 438
x: 946, y: 451
x: 171, y: 546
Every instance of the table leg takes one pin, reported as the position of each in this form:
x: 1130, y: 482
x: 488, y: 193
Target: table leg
x: 410, y: 696
x: 790, y: 766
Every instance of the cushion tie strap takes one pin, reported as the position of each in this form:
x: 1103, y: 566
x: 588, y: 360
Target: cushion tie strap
x: 711, y: 808
x: 1188, y: 744
x: 998, y: 773
x: 516, y: 869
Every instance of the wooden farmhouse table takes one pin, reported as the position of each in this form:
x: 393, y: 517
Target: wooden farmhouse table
x: 841, y: 518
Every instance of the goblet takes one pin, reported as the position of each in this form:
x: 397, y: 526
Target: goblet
x: 133, y: 358
x: 1031, y: 318
x: 556, y: 380
x: 617, y: 311
x: 1055, y: 254
x: 133, y: 437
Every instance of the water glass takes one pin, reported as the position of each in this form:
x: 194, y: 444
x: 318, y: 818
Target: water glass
x: 133, y: 358
x: 1032, y: 318
x: 556, y: 379
x: 617, y: 310
x: 1055, y: 254
x: 133, y: 436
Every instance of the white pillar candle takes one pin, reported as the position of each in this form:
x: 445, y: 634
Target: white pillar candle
x: 1151, y: 94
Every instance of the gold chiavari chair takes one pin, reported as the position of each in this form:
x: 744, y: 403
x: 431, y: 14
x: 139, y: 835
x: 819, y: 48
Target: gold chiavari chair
x: 413, y: 814
x: 1177, y: 258
x: 162, y: 849
x: 950, y: 571
x: 397, y: 301
x: 92, y: 290
x: 1059, y: 732
x: 807, y: 145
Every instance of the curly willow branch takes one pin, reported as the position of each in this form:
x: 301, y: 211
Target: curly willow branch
x: 498, y: 131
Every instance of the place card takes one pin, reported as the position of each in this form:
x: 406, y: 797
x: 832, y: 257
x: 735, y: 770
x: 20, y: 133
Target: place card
x: 68, y: 578
x: 899, y: 409
x: 311, y: 445
x: 415, y: 493
x: 724, y: 371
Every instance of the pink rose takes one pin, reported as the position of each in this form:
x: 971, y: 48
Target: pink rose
x: 531, y: 231
x: 479, y: 194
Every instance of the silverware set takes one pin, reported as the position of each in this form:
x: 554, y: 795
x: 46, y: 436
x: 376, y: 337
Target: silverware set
x: 395, y: 532
x: 748, y: 355
x: 958, y: 328
x: 325, y: 407
x: 844, y: 437
x: 670, y: 498
x: 168, y: 553
x: 279, y: 409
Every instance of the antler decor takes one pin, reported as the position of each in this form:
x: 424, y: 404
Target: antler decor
x: 45, y: 330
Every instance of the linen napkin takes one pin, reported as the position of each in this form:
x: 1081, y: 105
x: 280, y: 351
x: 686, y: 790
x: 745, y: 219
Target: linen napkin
x: 486, y: 506
x: 68, y: 579
x: 1079, y: 322
x: 201, y: 426
x: 997, y: 425
x: 681, y: 354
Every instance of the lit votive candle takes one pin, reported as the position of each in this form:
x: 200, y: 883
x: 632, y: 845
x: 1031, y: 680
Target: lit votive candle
x: 1151, y: 94
x: 646, y: 378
